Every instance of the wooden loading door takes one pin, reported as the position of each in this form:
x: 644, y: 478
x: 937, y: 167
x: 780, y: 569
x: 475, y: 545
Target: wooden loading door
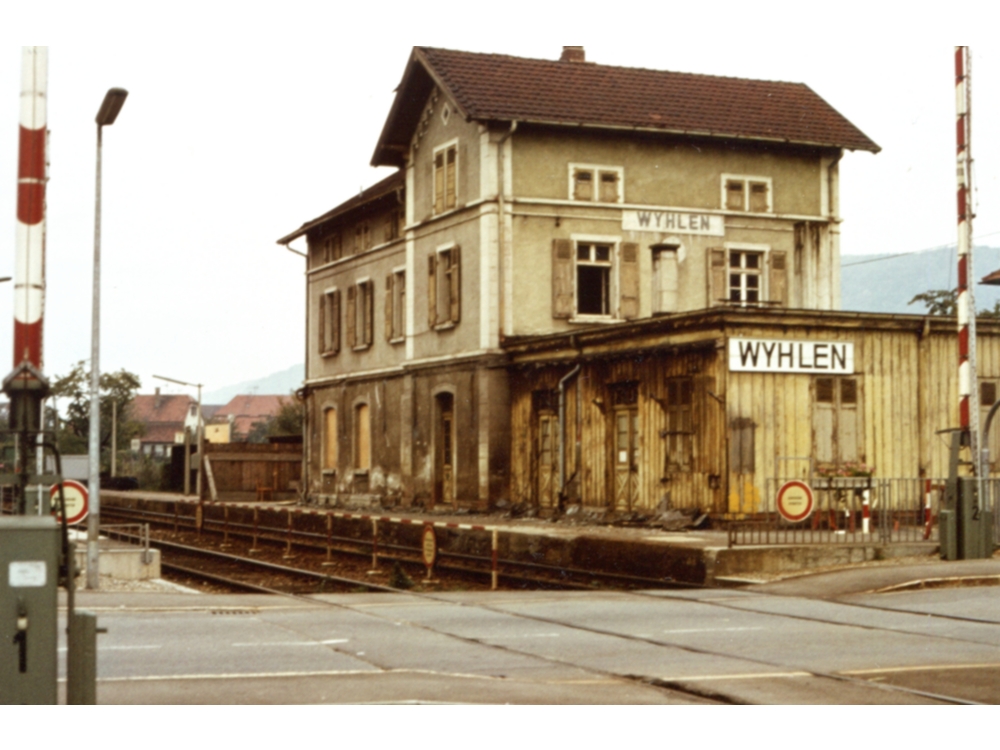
x: 546, y: 463
x: 626, y: 458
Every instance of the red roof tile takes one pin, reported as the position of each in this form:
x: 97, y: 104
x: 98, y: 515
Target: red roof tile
x: 500, y: 87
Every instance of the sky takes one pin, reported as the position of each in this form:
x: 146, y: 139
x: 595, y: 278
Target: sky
x: 245, y: 121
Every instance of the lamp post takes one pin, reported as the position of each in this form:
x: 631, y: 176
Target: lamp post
x: 200, y: 430
x: 106, y: 115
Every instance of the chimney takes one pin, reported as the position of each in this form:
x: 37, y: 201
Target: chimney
x: 157, y: 401
x: 573, y: 54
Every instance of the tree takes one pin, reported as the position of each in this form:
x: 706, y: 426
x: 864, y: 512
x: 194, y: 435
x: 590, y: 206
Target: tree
x: 288, y: 421
x: 945, y: 302
x: 73, y: 431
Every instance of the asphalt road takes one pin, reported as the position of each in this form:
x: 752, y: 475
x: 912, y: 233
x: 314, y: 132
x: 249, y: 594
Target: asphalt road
x: 732, y: 646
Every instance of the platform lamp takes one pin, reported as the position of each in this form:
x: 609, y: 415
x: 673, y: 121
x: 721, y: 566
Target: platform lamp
x: 106, y: 115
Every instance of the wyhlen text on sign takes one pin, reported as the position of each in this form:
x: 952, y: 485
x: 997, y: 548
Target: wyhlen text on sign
x: 772, y: 355
x: 673, y: 222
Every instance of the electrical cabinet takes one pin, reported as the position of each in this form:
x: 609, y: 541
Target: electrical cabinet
x: 29, y: 579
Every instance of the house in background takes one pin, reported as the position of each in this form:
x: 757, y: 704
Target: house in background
x: 164, y: 418
x: 233, y: 422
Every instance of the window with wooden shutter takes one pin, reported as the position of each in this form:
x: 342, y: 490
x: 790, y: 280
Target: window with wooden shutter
x: 734, y: 195
x: 746, y: 193
x: 562, y: 278
x: 352, y: 317
x: 583, y: 185
x: 432, y: 311
x: 329, y: 323
x: 596, y: 183
x: 389, y: 298
x: 445, y: 179
x: 368, y: 294
x: 628, y: 281
x: 679, y: 433
x: 665, y: 279
x: 362, y: 438
x: 717, y: 288
x: 837, y: 435
x: 454, y: 284
x: 609, y: 187
x: 759, y: 197
x: 778, y: 290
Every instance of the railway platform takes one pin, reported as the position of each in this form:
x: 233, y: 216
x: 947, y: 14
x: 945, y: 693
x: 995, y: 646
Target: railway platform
x: 699, y: 557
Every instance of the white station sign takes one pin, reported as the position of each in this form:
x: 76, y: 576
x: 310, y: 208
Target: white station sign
x: 810, y: 357
x: 673, y: 222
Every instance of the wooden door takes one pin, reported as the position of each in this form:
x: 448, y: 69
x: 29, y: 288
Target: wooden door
x: 546, y: 460
x: 444, y: 462
x: 626, y: 458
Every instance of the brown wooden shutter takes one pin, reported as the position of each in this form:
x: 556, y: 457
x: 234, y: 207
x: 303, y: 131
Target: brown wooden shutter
x: 779, y: 279
x: 716, y: 277
x: 389, y: 299
x: 323, y: 303
x: 562, y: 278
x: 432, y: 290
x: 456, y: 284
x: 439, y: 183
x: 334, y: 322
x: 628, y: 280
x: 369, y: 312
x: 450, y: 191
x: 352, y: 316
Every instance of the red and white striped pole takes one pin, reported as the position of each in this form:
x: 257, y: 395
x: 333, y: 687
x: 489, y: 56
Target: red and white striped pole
x: 966, y: 306
x: 928, y: 518
x: 29, y: 265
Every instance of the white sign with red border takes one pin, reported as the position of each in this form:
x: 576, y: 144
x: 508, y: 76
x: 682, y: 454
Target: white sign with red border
x: 77, y: 501
x: 795, y: 501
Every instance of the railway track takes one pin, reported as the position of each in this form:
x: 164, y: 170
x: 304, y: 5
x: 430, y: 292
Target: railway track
x: 367, y: 559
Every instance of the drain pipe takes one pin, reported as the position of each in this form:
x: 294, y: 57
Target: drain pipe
x: 562, y: 428
x: 502, y: 225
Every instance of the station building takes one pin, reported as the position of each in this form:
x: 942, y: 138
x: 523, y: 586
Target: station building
x: 608, y: 286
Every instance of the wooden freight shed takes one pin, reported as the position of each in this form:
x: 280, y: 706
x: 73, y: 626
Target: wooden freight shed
x: 705, y: 410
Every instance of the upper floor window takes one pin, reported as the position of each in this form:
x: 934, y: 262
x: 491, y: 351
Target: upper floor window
x: 444, y: 286
x: 362, y: 237
x: 745, y: 276
x: 331, y: 248
x: 595, y: 277
x: 329, y: 323
x: 595, y: 183
x: 445, y: 178
x: 394, y: 224
x: 360, y: 308
x: 395, y: 306
x: 746, y: 193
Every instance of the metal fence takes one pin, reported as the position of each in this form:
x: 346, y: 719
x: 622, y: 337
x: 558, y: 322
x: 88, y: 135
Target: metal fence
x: 851, y: 510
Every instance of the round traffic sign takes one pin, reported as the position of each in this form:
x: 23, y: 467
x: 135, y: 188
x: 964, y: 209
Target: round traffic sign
x: 429, y: 546
x: 795, y: 501
x: 77, y: 504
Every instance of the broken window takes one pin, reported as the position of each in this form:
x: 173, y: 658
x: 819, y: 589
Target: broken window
x: 593, y: 278
x: 679, y: 433
x: 445, y: 179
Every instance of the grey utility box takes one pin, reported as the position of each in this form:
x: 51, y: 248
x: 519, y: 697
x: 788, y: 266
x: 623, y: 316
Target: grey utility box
x: 965, y: 528
x: 29, y: 578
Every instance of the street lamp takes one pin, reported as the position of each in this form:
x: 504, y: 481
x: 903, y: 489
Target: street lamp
x: 200, y: 438
x: 106, y: 115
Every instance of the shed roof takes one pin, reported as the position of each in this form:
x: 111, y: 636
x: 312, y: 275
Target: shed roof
x: 504, y: 88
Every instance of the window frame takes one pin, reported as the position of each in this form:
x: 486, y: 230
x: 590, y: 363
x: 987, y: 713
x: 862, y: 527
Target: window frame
x: 614, y: 244
x: 840, y: 411
x: 329, y: 328
x: 747, y: 181
x: 359, y: 426
x: 331, y: 443
x: 762, y: 272
x: 443, y: 281
x: 680, y: 426
x: 597, y: 171
x: 444, y: 208
x: 364, y: 314
x: 396, y: 324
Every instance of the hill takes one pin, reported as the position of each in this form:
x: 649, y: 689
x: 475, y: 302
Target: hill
x: 280, y: 383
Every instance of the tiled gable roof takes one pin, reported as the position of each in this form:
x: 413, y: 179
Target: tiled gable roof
x: 500, y: 87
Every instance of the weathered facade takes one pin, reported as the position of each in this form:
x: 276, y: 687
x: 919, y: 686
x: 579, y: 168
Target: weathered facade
x: 542, y: 203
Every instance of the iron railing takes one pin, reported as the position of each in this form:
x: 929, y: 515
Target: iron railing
x: 849, y: 510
